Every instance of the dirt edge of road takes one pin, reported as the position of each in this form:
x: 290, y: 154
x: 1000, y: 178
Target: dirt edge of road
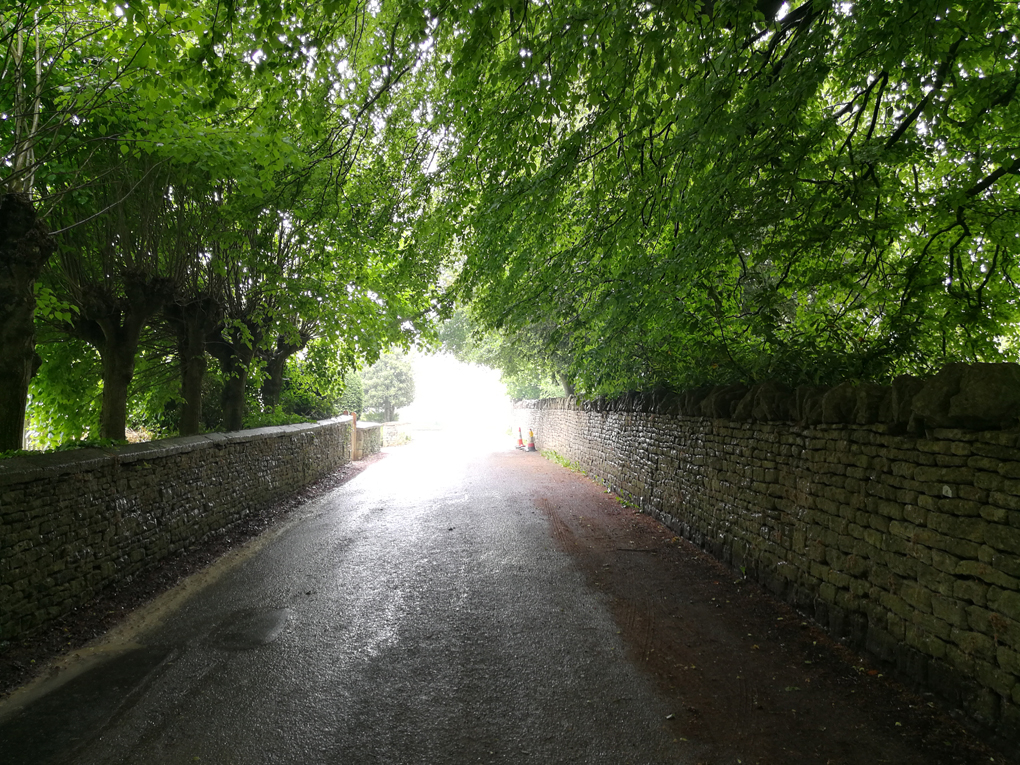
x: 746, y: 671
x: 36, y: 655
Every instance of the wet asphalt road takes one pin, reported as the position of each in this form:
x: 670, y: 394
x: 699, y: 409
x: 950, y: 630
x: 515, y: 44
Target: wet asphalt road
x: 419, y: 614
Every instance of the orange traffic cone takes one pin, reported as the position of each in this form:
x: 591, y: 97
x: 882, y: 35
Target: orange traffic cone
x: 531, y: 441
x: 520, y: 439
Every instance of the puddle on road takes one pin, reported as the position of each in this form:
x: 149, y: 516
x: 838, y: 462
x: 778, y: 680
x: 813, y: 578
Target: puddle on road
x: 249, y: 628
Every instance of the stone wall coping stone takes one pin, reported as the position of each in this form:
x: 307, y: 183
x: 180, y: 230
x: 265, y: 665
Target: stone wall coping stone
x: 371, y: 425
x: 623, y: 405
x: 33, y: 467
x: 961, y: 398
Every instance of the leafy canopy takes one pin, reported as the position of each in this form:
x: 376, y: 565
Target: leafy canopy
x: 719, y: 191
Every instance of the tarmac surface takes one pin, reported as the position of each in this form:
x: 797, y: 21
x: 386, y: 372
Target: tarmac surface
x: 458, y: 603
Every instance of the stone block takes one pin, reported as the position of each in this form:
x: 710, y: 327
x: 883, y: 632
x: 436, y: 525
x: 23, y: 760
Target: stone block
x: 959, y: 507
x: 977, y: 396
x: 1008, y: 604
x: 1009, y: 660
x: 1008, y: 565
x: 930, y: 626
x: 984, y: 572
x: 991, y: 676
x: 838, y: 404
x: 1003, y: 538
x: 904, y: 469
x: 989, y: 397
x: 920, y: 639
x: 722, y: 400
x: 774, y: 401
x: 949, y: 610
x: 1004, y: 500
x: 971, y: 590
x: 873, y: 404
x: 963, y: 548
x: 895, y: 604
x: 961, y: 661
x: 918, y: 597
x: 904, y: 388
x: 994, y: 514
x: 944, y: 561
x: 915, y: 514
x: 972, y: 529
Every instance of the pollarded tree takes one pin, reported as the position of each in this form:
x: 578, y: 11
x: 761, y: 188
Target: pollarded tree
x: 114, y: 271
x: 50, y: 56
x: 388, y: 384
x: 69, y: 67
x: 66, y: 69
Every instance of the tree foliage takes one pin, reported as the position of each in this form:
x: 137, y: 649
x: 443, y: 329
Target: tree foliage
x: 717, y: 191
x: 529, y: 369
x: 639, y: 194
x: 322, y: 382
x: 231, y: 180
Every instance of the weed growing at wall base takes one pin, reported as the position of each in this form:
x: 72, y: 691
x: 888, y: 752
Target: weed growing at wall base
x: 559, y: 459
x: 554, y: 456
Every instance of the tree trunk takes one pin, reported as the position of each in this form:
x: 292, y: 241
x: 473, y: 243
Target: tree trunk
x: 193, y: 367
x: 118, y: 369
x: 193, y: 322
x: 116, y: 338
x: 113, y: 325
x: 272, y: 386
x: 389, y: 412
x: 276, y: 364
x: 235, y: 359
x: 25, y: 245
x: 233, y: 396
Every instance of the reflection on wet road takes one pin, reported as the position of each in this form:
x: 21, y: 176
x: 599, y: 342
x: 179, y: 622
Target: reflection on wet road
x: 419, y: 614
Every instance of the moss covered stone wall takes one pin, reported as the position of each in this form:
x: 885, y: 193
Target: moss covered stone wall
x: 75, y: 523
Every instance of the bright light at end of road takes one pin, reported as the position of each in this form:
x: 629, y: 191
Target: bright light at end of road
x: 456, y: 397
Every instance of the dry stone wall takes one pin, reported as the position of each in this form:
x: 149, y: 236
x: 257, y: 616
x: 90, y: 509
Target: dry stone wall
x: 75, y: 523
x: 370, y: 439
x: 903, y: 540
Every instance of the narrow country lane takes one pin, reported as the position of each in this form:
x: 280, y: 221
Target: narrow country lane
x: 420, y: 614
x: 463, y: 602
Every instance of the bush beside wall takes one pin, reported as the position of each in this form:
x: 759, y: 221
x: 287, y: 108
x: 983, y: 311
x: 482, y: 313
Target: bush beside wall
x: 75, y: 523
x: 906, y: 545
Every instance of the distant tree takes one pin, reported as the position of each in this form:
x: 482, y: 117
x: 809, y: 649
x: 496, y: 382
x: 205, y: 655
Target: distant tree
x: 532, y: 361
x: 388, y: 384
